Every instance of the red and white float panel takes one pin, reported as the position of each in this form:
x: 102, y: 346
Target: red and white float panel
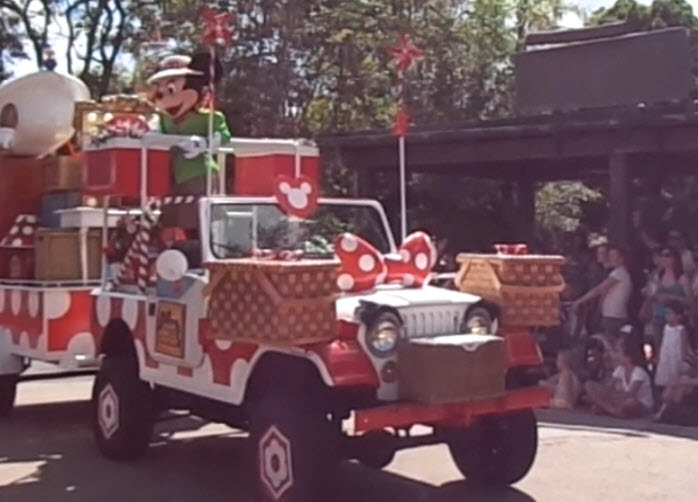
x: 48, y: 323
x: 217, y: 369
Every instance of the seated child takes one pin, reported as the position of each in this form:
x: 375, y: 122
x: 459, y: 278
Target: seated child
x: 565, y: 385
x: 629, y: 394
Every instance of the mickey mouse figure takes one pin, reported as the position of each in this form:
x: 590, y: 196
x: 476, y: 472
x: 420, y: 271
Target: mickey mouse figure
x: 182, y: 83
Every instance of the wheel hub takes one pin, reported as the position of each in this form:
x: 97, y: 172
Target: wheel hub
x: 276, y: 462
x: 108, y: 411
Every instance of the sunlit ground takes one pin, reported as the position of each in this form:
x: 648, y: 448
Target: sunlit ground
x: 47, y: 454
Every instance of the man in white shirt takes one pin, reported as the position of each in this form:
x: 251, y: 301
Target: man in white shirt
x: 614, y: 292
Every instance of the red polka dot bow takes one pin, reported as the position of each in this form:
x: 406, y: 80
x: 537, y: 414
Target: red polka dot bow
x: 363, y: 267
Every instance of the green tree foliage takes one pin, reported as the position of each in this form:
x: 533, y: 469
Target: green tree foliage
x: 560, y: 206
x: 28, y: 20
x: 660, y: 14
x: 538, y: 15
x: 96, y: 34
x: 10, y: 44
x: 102, y: 27
x: 305, y: 67
x: 324, y: 65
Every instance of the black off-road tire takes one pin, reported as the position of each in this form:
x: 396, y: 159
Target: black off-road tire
x: 479, y: 313
x: 8, y: 391
x: 294, y: 450
x: 498, y: 450
x: 122, y: 409
x: 376, y: 450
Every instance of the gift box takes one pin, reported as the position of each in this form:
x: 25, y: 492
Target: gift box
x: 526, y: 287
x: 53, y: 203
x: 63, y: 173
x: 452, y: 368
x: 258, y: 164
x: 17, y: 249
x: 114, y: 167
x: 88, y: 114
x: 58, y: 255
x: 273, y: 302
x: 20, y: 189
x: 17, y: 263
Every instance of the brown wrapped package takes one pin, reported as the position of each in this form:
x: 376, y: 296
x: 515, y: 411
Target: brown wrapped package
x: 454, y: 368
x: 58, y: 256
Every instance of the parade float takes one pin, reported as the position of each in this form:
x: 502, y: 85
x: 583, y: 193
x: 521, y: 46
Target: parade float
x: 257, y: 303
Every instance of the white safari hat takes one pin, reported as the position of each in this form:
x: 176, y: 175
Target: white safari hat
x: 173, y: 66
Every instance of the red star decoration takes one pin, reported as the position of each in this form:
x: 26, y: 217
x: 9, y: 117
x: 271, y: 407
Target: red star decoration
x: 406, y: 53
x: 402, y: 122
x: 217, y: 27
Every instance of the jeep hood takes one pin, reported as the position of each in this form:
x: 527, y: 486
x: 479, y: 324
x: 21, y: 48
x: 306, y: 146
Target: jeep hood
x: 399, y: 297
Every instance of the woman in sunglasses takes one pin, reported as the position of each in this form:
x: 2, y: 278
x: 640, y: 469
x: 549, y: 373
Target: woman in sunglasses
x: 672, y: 286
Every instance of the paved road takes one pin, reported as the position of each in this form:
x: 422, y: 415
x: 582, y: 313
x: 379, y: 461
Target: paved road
x: 46, y: 455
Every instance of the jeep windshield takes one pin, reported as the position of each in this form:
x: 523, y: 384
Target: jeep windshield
x: 238, y: 229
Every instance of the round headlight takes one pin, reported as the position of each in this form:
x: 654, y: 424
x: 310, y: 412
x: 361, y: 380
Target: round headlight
x: 478, y: 321
x: 384, y: 334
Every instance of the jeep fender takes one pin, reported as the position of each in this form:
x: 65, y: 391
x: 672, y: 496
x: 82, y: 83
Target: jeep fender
x: 10, y: 364
x: 279, y: 373
x: 117, y: 340
x: 313, y: 370
x: 522, y: 348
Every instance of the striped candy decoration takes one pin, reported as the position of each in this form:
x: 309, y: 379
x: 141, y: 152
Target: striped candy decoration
x: 178, y: 199
x: 137, y: 258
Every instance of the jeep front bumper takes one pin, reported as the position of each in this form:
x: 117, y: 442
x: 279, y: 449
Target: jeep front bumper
x: 404, y: 415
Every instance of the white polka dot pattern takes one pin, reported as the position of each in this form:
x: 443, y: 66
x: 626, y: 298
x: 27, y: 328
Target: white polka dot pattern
x: 22, y: 232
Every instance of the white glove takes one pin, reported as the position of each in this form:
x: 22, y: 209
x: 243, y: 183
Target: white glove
x: 193, y: 146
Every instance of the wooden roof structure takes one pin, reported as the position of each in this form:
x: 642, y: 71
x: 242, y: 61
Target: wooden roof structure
x: 542, y: 148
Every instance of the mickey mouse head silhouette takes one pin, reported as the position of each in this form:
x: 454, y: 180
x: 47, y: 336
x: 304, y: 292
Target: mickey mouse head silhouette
x: 297, y: 196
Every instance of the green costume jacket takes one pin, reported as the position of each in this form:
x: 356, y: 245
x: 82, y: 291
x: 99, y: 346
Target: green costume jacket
x: 196, y: 124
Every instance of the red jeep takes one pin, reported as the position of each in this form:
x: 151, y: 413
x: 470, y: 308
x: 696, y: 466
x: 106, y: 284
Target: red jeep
x: 389, y: 358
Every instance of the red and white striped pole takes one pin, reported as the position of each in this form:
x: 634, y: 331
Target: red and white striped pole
x: 405, y: 54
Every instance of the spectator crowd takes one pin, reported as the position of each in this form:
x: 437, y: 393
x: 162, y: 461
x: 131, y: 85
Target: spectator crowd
x: 630, y: 340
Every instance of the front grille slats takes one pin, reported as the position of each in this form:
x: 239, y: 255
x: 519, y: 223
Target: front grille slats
x: 430, y: 321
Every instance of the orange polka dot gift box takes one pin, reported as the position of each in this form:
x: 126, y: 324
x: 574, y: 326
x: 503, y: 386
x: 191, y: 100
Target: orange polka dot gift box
x: 280, y: 302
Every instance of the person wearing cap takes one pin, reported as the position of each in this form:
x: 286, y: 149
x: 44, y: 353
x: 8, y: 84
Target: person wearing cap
x: 182, y: 83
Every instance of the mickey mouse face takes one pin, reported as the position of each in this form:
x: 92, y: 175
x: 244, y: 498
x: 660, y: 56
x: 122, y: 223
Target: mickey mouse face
x: 297, y: 196
x: 174, y: 97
